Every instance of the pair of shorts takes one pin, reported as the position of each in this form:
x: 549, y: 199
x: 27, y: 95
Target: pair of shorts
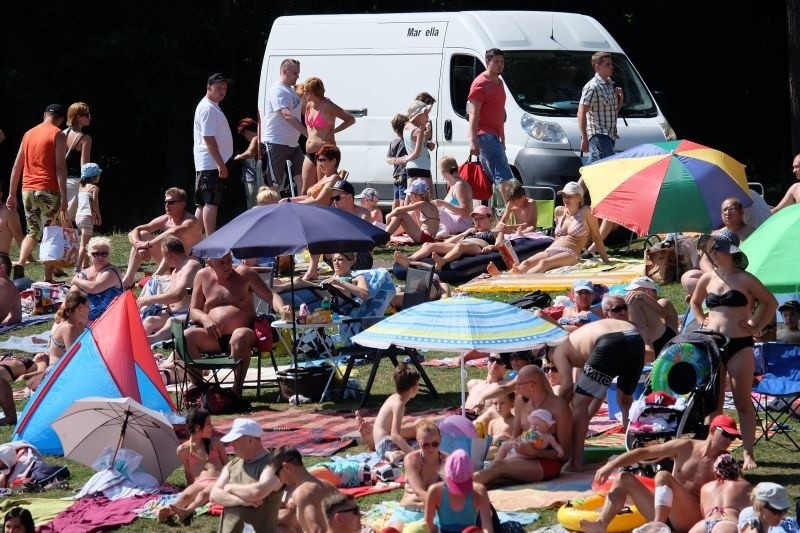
x: 85, y: 225
x: 551, y: 468
x: 600, y: 147
x: 424, y: 237
x: 620, y: 355
x: 399, y: 188
x: 414, y: 173
x: 208, y: 188
x: 277, y: 157
x: 386, y: 444
x: 41, y: 208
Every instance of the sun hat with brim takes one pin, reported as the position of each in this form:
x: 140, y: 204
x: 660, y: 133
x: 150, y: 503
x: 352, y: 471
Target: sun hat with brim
x: 243, y: 427
x: 416, y: 108
x: 418, y: 186
x: 458, y: 472
x: 570, y: 189
x: 370, y: 194
x: 772, y: 494
x: 544, y: 416
x: 727, y: 242
x: 642, y: 282
x: 90, y: 170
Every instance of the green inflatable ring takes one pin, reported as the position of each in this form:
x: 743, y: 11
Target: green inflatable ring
x: 679, y: 369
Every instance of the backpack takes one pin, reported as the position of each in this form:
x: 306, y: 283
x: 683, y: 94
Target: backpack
x: 216, y: 400
x: 533, y: 299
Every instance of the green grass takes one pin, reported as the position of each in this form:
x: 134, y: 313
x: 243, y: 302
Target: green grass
x: 776, y: 458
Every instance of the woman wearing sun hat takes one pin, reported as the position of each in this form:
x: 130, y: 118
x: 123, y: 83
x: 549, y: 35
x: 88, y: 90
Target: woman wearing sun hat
x: 730, y: 294
x: 456, y: 503
x: 770, y: 504
x: 419, y: 219
x: 418, y: 158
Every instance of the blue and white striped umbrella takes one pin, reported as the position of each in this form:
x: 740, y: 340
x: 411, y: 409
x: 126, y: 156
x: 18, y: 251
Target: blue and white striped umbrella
x: 461, y: 324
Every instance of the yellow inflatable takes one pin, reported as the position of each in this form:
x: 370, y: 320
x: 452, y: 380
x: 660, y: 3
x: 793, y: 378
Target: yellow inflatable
x: 571, y: 513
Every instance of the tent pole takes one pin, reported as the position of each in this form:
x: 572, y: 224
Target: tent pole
x: 294, y: 331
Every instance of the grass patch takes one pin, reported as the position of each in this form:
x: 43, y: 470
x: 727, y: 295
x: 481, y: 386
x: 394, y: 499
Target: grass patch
x: 775, y: 457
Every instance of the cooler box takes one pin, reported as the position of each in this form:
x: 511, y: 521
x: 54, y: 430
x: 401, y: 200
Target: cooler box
x: 611, y: 396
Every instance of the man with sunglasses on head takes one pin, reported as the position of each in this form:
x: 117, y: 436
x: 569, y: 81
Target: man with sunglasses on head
x: 676, y: 501
x: 146, y: 239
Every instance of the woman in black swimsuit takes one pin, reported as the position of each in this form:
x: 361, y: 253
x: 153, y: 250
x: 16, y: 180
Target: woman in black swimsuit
x: 730, y: 294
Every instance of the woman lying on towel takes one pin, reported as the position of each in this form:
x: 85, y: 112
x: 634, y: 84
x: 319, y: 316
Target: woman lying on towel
x: 479, y: 239
x: 203, y: 459
x: 573, y: 231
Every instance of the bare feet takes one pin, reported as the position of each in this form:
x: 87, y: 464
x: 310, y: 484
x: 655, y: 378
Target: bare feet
x: 569, y: 467
x: 439, y: 260
x: 311, y: 274
x: 182, y: 514
x: 589, y: 526
x: 164, y: 514
x: 748, y: 462
x: 492, y: 269
x: 365, y: 429
x: 402, y: 260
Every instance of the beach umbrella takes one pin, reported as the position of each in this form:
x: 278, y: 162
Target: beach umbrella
x: 665, y: 187
x: 90, y: 425
x: 462, y: 324
x: 288, y: 228
x: 772, y: 254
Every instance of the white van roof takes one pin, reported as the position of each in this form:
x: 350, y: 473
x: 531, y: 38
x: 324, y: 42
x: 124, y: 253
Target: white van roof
x: 507, y: 30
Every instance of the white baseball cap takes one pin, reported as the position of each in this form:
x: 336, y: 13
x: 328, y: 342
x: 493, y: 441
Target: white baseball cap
x: 243, y: 427
x: 642, y: 282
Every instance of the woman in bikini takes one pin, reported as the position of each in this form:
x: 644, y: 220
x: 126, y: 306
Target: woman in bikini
x: 574, y: 230
x: 423, y: 469
x: 723, y: 498
x: 203, y: 459
x: 101, y: 281
x: 320, y: 117
x: 419, y: 219
x: 455, y: 208
x: 730, y: 294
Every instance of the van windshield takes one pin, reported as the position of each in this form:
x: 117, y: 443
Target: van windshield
x: 550, y: 82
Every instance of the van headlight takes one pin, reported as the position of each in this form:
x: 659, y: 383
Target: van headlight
x: 669, y: 133
x: 540, y: 130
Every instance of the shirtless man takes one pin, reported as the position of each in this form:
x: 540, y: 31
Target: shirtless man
x: 678, y: 490
x: 792, y: 195
x: 604, y: 349
x: 579, y: 314
x: 175, y: 301
x: 223, y: 312
x: 477, y: 389
x: 722, y: 499
x: 146, y: 245
x: 304, y: 512
x: 530, y: 465
x: 10, y: 305
x: 789, y: 332
x: 343, y: 513
x: 10, y: 228
x: 657, y: 317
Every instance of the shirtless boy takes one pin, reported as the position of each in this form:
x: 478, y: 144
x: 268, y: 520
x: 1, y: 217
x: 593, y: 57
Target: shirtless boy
x: 223, y: 312
x: 677, y: 495
x: 305, y: 512
x: 176, y: 299
x: 604, y: 349
x: 501, y: 428
x: 390, y: 435
x: 146, y: 245
x: 530, y: 465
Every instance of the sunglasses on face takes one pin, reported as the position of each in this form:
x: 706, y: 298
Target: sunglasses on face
x: 355, y: 510
x: 278, y: 471
x: 336, y: 198
x: 171, y: 202
x: 495, y: 360
x: 729, y: 436
x: 99, y: 254
x: 549, y: 369
x: 618, y: 309
x: 434, y: 444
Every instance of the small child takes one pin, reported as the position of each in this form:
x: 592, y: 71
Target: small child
x: 390, y: 435
x: 369, y: 201
x: 88, y: 212
x: 538, y: 435
x: 501, y: 428
x: 397, y: 150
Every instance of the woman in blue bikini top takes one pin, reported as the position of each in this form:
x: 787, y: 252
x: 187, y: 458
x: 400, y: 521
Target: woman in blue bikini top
x: 101, y: 281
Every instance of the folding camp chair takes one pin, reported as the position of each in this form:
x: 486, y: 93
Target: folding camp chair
x: 777, y: 389
x: 418, y: 286
x: 545, y: 198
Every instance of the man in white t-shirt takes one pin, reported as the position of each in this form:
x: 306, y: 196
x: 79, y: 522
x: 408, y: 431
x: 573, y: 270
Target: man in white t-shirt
x: 213, y: 146
x: 282, y: 126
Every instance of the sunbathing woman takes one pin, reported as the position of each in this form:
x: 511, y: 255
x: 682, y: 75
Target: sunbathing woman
x: 574, y: 230
x: 454, y: 210
x: 203, y: 459
x: 419, y: 219
x: 479, y: 239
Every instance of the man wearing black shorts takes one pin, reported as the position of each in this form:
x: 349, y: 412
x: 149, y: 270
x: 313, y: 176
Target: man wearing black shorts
x: 282, y: 127
x: 604, y: 349
x: 213, y: 147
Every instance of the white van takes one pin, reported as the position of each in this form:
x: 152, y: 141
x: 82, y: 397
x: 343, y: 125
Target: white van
x: 373, y: 65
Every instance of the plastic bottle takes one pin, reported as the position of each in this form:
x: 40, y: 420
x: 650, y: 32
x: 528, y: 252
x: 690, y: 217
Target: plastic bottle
x: 325, y: 309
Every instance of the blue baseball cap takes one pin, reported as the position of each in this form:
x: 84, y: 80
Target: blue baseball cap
x: 90, y: 170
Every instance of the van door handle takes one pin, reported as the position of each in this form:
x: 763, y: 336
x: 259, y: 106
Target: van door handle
x: 357, y: 112
x: 448, y: 130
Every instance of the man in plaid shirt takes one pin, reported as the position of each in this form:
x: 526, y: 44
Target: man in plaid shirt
x: 600, y: 102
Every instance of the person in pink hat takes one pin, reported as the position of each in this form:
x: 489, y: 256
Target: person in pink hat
x: 453, y: 505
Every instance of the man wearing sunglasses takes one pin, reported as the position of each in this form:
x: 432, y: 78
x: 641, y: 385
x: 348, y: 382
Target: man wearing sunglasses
x: 343, y: 513
x: 676, y: 501
x: 146, y: 239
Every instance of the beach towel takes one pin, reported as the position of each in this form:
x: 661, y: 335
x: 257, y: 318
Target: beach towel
x: 544, y: 494
x: 95, y: 515
x: 43, y: 510
x: 32, y: 343
x: 27, y: 320
x: 366, y: 490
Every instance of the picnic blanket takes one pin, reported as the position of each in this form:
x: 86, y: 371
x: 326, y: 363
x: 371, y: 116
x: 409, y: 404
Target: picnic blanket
x: 32, y: 343
x: 27, y: 320
x: 366, y: 490
x: 43, y: 510
x: 544, y: 494
x: 619, y: 271
x: 96, y: 514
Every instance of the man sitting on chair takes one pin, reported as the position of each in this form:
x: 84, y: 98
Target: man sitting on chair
x: 223, y: 312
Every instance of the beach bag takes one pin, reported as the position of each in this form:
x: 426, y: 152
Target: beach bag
x: 533, y: 300
x: 59, y: 245
x: 472, y: 172
x: 659, y: 264
x: 216, y: 400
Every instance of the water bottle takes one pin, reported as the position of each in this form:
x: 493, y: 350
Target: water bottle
x: 325, y: 309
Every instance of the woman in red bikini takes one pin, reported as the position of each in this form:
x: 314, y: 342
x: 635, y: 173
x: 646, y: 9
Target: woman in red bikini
x: 203, y: 459
x: 320, y: 118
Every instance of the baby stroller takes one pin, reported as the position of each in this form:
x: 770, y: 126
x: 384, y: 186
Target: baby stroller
x: 680, y: 392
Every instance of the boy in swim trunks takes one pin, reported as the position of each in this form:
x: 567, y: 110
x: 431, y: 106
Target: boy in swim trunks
x: 604, y: 349
x: 390, y: 435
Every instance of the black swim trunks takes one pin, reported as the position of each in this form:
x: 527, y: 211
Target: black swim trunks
x: 619, y: 355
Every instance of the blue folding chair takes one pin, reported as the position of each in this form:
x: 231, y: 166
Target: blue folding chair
x: 779, y: 364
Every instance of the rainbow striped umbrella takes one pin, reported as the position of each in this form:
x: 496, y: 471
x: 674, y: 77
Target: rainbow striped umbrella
x: 665, y: 187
